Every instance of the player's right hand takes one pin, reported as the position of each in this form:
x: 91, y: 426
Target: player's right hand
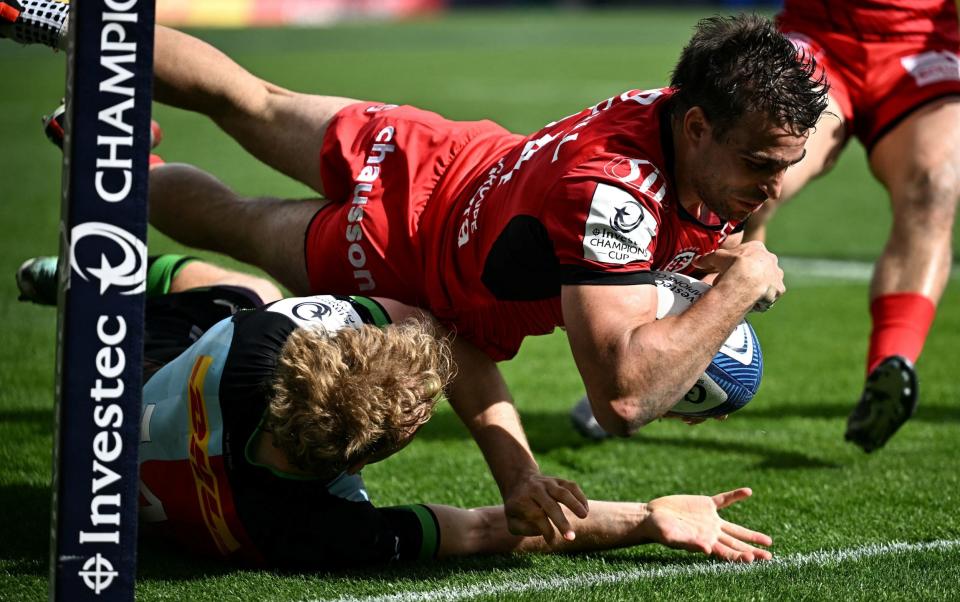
x: 533, y: 507
x: 691, y: 522
x: 753, y: 268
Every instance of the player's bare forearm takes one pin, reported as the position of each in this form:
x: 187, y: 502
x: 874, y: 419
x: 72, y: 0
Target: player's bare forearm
x: 688, y: 522
x: 484, y: 530
x: 658, y: 362
x: 661, y: 360
x: 636, y: 367
x: 483, y: 402
x: 532, y: 501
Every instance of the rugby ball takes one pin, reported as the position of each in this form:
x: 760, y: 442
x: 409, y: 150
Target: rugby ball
x: 733, y: 377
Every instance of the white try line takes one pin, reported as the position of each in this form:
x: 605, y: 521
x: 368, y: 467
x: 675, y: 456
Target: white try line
x: 501, y: 587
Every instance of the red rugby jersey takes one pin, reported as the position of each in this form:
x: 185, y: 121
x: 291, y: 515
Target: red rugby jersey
x: 589, y: 199
x: 873, y: 18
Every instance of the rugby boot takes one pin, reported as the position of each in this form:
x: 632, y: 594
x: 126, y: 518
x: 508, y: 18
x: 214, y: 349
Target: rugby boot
x: 54, y: 123
x: 585, y: 422
x: 35, y: 22
x: 37, y: 280
x: 889, y: 399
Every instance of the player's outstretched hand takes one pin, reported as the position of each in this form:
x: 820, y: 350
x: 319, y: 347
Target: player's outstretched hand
x: 691, y: 522
x: 533, y: 507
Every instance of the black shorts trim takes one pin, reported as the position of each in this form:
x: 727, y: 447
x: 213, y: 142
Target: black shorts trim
x: 900, y: 118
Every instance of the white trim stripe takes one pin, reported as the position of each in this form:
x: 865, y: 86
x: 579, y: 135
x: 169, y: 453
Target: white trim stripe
x: 540, y: 584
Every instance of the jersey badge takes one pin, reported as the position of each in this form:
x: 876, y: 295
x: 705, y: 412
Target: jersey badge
x: 682, y: 260
x: 932, y: 67
x: 619, y: 230
x: 322, y: 311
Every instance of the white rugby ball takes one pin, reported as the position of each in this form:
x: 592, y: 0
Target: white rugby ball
x: 733, y: 377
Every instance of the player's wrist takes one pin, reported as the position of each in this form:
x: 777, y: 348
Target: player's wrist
x: 645, y: 530
x: 740, y: 294
x: 517, y: 477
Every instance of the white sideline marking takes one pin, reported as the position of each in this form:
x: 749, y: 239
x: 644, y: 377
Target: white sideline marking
x: 540, y: 584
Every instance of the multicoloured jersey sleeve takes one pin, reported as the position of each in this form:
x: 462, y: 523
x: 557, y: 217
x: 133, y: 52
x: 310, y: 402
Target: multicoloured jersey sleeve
x: 604, y: 219
x: 295, y: 529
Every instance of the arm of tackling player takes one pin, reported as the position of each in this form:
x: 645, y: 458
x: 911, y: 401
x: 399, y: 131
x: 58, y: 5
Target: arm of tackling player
x: 479, y: 395
x: 688, y: 522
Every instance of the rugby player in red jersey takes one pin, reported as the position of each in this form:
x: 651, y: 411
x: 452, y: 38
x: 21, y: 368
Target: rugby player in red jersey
x: 894, y: 74
x: 503, y: 236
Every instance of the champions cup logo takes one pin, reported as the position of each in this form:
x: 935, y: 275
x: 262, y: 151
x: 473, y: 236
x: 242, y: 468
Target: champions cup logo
x: 129, y: 273
x: 638, y: 174
x: 627, y: 218
x: 311, y: 311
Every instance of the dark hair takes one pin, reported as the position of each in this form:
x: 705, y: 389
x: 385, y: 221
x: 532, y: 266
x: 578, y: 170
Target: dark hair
x: 738, y: 65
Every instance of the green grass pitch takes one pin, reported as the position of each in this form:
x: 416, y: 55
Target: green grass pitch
x: 813, y: 492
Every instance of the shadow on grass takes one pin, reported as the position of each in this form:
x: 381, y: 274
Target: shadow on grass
x: 25, y: 548
x: 771, y: 457
x: 925, y: 413
x: 25, y: 528
x: 35, y: 420
x: 549, y: 431
x: 160, y: 560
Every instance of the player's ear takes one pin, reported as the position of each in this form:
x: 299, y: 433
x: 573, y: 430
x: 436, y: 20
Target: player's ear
x: 696, y: 126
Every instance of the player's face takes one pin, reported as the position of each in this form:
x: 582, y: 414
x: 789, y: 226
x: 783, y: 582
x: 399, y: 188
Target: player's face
x: 744, y: 168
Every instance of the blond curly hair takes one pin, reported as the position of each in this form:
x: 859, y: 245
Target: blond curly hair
x: 340, y: 398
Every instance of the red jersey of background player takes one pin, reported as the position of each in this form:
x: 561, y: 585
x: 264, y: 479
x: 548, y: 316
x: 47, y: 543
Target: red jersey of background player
x: 880, y: 19
x: 589, y: 199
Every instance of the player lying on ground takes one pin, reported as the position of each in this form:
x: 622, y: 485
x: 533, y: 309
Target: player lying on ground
x: 503, y: 236
x: 265, y: 410
x: 894, y: 84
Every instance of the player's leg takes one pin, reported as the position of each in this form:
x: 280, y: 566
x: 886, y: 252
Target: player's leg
x: 169, y: 273
x: 919, y: 164
x: 199, y: 274
x: 823, y: 147
x: 198, y: 210
x: 281, y: 128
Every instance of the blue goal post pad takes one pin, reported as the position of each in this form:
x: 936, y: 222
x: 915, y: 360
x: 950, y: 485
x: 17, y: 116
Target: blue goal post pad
x: 103, y: 264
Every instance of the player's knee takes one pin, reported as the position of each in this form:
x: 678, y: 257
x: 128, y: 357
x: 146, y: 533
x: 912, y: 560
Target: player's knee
x: 929, y: 196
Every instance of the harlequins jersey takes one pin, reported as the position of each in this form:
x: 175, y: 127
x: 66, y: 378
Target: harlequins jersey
x: 199, y: 483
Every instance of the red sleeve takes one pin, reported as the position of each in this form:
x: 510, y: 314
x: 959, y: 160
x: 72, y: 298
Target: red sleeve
x: 604, y: 221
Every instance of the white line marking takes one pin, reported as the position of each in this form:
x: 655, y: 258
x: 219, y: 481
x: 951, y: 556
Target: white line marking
x: 831, y: 269
x: 502, y: 587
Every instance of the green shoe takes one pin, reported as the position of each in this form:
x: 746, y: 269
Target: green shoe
x: 37, y: 280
